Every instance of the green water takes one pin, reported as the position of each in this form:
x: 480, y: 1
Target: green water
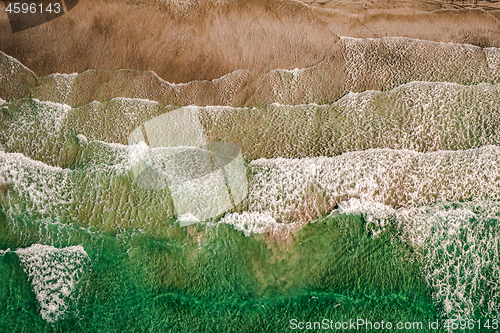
x: 228, y: 282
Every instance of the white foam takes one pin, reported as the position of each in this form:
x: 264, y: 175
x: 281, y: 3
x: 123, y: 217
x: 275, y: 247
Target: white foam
x: 35, y: 129
x: 138, y: 152
x: 307, y: 187
x: 13, y: 63
x: 134, y: 100
x: 384, y: 63
x: 457, y: 249
x: 354, y: 206
x: 55, y: 274
x: 64, y: 85
x: 82, y: 140
x: 252, y: 222
x: 294, y: 71
x: 188, y: 217
x: 43, y: 186
x: 403, y: 177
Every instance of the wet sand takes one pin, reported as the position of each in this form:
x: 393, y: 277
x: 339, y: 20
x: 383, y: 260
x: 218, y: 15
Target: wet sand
x: 409, y: 6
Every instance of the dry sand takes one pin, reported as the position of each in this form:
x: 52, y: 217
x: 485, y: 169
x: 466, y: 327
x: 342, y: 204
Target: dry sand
x: 395, y: 6
x: 183, y: 41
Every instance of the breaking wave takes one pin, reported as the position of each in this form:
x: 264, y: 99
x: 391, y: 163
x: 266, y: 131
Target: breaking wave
x: 392, y: 136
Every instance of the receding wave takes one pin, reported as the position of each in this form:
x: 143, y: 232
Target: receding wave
x: 419, y: 116
x: 101, y: 192
x: 389, y: 147
x: 353, y: 65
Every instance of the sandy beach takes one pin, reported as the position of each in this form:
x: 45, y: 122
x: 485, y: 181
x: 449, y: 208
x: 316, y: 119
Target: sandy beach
x: 182, y: 42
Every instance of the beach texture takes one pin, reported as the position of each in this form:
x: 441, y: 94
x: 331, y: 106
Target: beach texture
x: 369, y: 133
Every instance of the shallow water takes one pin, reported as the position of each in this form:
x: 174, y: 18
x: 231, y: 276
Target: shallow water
x: 216, y: 279
x: 378, y: 205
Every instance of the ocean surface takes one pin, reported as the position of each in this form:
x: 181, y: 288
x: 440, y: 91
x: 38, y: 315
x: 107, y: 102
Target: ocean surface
x: 376, y: 198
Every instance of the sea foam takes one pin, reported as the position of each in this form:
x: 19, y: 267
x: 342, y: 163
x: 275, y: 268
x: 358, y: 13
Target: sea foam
x: 55, y: 274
